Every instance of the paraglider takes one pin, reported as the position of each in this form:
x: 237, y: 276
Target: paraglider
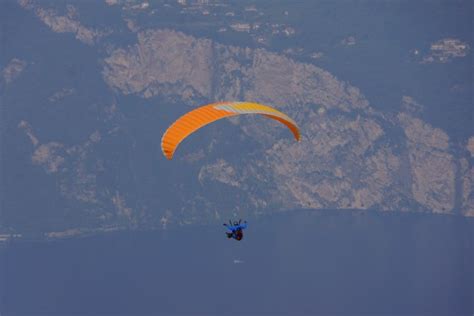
x: 236, y: 229
x: 197, y: 118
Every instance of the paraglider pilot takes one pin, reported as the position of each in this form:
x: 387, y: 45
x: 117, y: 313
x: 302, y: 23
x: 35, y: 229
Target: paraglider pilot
x: 236, y: 229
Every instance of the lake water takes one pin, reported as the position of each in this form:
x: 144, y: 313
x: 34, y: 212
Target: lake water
x: 327, y: 262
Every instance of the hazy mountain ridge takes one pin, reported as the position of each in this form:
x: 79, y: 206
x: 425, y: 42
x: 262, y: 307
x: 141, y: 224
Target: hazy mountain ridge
x: 351, y: 156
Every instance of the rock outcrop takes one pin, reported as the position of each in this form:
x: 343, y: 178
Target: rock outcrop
x: 68, y: 23
x: 12, y: 70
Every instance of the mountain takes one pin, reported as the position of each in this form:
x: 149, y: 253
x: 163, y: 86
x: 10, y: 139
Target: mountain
x: 86, y: 100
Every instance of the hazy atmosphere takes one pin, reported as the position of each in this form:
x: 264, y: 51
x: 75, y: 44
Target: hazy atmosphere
x: 360, y: 203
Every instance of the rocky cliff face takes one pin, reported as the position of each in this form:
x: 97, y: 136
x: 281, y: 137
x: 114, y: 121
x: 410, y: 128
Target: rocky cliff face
x: 164, y: 62
x: 350, y: 156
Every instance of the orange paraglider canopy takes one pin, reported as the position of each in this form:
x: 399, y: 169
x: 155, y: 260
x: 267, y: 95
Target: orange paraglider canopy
x: 195, y: 119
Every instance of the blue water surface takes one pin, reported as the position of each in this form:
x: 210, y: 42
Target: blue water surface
x: 305, y: 263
